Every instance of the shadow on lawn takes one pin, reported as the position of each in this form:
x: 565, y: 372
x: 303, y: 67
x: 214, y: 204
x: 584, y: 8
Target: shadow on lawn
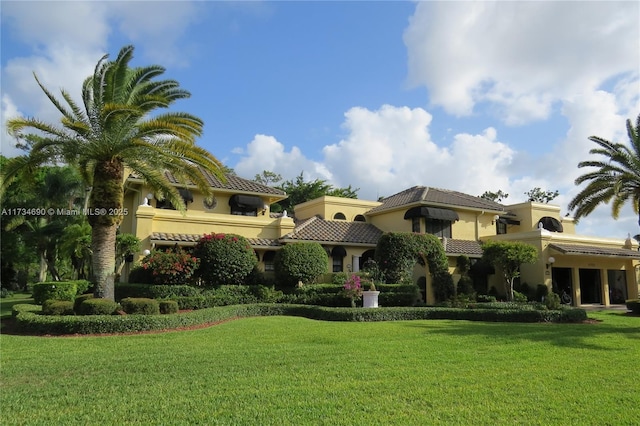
x: 563, y: 335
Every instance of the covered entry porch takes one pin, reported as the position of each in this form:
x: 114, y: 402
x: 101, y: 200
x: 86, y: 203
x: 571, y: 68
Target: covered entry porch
x: 594, y: 275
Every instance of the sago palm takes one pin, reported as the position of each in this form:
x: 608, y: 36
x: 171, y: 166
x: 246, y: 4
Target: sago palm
x: 117, y: 129
x: 616, y: 179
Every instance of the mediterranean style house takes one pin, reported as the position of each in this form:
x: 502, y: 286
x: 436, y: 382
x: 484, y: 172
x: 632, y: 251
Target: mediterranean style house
x: 600, y: 271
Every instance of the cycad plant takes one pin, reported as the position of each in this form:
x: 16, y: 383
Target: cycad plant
x: 117, y: 130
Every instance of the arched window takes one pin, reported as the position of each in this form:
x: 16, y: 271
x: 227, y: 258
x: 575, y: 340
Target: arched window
x: 339, y: 216
x: 338, y: 254
x: 359, y: 218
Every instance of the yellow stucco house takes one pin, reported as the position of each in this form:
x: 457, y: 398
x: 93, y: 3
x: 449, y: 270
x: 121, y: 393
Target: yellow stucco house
x: 600, y: 271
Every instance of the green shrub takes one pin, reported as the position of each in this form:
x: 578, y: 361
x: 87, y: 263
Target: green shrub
x: 173, y: 266
x: 552, y: 301
x: 519, y: 297
x: 82, y: 286
x: 62, y: 290
x: 485, y: 298
x: 57, y: 307
x: 5, y: 292
x: 541, y: 292
x: 138, y: 274
x: 168, y: 291
x: 339, y: 278
x: 634, y: 306
x: 465, y: 285
x: 168, y: 307
x: 300, y: 262
x: 27, y: 319
x: 140, y: 306
x: 224, y: 259
x: 97, y: 306
x: 79, y: 300
x: 124, y: 290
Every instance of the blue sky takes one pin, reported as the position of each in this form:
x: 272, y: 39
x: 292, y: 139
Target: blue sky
x: 378, y: 95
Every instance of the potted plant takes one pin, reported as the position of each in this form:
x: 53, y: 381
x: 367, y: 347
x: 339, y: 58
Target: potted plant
x: 370, y: 297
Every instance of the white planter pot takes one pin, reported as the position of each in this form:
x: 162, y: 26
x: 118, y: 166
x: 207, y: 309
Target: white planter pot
x: 370, y: 299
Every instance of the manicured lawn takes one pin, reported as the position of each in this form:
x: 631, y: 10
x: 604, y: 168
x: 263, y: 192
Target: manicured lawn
x: 294, y: 371
x: 7, y: 303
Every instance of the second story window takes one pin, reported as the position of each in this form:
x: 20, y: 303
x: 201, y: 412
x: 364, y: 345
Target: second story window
x: 438, y: 227
x: 415, y: 224
x: 245, y: 205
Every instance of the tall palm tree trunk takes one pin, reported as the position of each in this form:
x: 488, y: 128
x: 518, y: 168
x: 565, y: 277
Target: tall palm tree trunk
x: 103, y: 239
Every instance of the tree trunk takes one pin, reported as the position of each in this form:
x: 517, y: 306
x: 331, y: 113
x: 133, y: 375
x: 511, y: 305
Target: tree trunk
x: 105, y: 206
x: 42, y: 274
x: 104, y: 259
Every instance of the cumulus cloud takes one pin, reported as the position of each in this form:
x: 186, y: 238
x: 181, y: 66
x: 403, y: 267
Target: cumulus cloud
x: 66, y: 39
x: 388, y: 150
x: 267, y: 153
x: 521, y: 57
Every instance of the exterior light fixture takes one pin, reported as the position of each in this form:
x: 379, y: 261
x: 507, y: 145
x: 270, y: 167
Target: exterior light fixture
x: 495, y: 219
x: 550, y: 261
x: 146, y: 252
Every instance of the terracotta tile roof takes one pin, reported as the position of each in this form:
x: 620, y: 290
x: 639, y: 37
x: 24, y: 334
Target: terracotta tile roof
x: 595, y: 251
x: 316, y: 229
x: 466, y: 247
x: 174, y: 238
x: 426, y: 195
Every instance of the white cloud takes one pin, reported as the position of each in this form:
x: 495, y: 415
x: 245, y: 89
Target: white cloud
x: 386, y: 151
x: 8, y: 110
x: 266, y: 153
x: 519, y: 56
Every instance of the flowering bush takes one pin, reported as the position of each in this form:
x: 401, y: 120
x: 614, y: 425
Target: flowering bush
x: 224, y: 259
x: 353, y: 289
x: 171, y: 266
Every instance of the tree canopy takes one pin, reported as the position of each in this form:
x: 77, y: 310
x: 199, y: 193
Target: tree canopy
x: 117, y: 129
x: 614, y: 175
x: 298, y: 190
x: 508, y: 256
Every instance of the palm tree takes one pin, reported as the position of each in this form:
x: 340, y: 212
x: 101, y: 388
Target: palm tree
x: 617, y: 177
x: 117, y: 131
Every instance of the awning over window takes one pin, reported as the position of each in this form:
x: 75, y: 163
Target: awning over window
x: 338, y: 251
x: 431, y: 213
x: 509, y: 221
x: 186, y: 195
x: 550, y: 224
x: 246, y: 201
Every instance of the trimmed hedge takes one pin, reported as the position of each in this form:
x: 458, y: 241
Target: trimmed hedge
x: 168, y: 306
x: 28, y: 319
x: 140, y: 306
x: 97, y: 306
x: 634, y: 306
x: 57, y: 307
x: 151, y: 291
x: 56, y: 290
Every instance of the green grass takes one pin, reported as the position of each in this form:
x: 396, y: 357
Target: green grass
x: 7, y: 303
x: 293, y: 371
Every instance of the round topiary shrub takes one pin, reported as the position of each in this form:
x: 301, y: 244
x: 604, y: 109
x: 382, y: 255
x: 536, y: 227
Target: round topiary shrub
x: 224, y: 259
x: 300, y: 262
x: 97, y: 306
x: 57, y: 307
x: 58, y: 290
x: 140, y: 306
x: 80, y: 299
x: 168, y: 307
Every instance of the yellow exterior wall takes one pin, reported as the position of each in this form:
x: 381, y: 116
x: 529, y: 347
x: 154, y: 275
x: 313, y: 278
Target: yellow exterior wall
x: 326, y: 207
